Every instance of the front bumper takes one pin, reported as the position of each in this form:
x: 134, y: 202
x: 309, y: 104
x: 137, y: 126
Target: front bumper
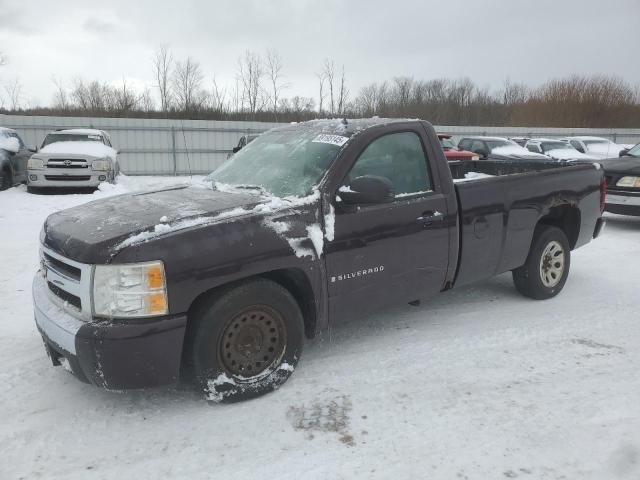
x: 115, y: 355
x: 623, y: 203
x: 67, y: 178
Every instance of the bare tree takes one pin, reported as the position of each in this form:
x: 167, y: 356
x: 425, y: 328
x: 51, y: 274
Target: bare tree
x: 250, y: 72
x: 274, y: 72
x: 343, y: 93
x: 14, y: 94
x: 329, y: 75
x: 145, y: 101
x: 61, y: 99
x: 162, y: 69
x: 187, y: 85
x: 124, y: 99
x: 218, y: 97
x: 321, y: 94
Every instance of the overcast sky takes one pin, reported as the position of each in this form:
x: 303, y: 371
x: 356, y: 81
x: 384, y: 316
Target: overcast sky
x: 488, y: 41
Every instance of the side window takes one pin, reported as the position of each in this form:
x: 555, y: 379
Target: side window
x: 398, y: 157
x: 533, y: 148
x: 575, y: 144
x: 464, y: 144
x: 478, y: 146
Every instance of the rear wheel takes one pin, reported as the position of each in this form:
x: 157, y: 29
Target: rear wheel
x: 6, y: 179
x: 547, y: 267
x: 245, y: 341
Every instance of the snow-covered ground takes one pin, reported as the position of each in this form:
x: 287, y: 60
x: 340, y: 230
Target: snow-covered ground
x: 478, y: 383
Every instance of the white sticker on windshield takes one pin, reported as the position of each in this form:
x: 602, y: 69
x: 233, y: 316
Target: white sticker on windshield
x: 332, y: 139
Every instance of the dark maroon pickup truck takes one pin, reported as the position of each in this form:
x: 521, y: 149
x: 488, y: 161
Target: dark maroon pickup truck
x: 220, y: 283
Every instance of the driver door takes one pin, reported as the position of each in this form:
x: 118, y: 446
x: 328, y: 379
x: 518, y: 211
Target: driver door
x: 390, y: 252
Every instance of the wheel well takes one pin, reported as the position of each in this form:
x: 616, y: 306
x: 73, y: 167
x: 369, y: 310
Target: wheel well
x: 293, y: 279
x: 567, y: 219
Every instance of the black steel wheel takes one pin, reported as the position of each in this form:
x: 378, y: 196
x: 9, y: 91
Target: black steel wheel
x: 253, y: 342
x: 244, y: 340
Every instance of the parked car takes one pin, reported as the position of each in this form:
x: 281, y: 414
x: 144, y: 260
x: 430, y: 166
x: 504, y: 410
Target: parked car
x: 312, y: 223
x: 557, y: 150
x: 13, y: 158
x: 595, y: 146
x: 452, y: 152
x: 623, y: 183
x: 73, y: 158
x: 499, y: 148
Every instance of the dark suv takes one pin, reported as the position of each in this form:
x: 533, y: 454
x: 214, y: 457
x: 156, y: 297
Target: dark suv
x: 14, y: 156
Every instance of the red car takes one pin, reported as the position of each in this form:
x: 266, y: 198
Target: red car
x: 454, y: 153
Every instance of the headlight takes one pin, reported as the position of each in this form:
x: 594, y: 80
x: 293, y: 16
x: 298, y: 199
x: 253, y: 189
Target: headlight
x: 628, y: 182
x: 103, y: 164
x: 130, y: 290
x: 35, y: 164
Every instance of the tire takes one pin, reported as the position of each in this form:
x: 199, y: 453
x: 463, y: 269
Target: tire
x: 6, y: 179
x: 245, y: 341
x: 547, y: 267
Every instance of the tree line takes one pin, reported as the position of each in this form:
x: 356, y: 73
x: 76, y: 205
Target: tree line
x: 259, y: 92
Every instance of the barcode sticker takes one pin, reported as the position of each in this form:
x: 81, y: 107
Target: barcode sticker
x: 338, y: 140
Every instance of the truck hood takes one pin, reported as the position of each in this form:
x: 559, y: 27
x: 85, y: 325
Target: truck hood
x: 96, y: 231
x: 76, y: 150
x: 624, y: 165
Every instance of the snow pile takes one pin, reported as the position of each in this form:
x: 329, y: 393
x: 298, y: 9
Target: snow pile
x: 472, y: 176
x: 330, y: 223
x: 567, y: 154
x: 89, y: 148
x: 10, y: 144
x: 317, y: 237
x: 604, y: 149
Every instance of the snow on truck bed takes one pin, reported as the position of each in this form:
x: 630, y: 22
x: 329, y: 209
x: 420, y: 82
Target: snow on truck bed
x: 476, y: 383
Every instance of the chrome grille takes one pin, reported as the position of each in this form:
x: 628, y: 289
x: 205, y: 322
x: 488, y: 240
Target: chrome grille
x: 69, y: 282
x: 67, y: 163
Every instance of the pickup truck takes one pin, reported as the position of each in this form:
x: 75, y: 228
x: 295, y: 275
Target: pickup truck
x: 222, y: 282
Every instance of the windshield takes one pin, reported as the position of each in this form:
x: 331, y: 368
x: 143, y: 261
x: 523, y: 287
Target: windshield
x: 635, y: 151
x: 68, y: 137
x: 500, y: 143
x: 282, y: 162
x: 546, y: 146
x: 446, y: 143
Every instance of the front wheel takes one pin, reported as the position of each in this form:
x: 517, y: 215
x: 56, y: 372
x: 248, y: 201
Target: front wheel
x: 547, y: 267
x: 245, y: 341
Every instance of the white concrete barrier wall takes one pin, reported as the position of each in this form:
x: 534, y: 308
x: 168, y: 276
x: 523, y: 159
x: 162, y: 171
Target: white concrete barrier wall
x: 169, y: 146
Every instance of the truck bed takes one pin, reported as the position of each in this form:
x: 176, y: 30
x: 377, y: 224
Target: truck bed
x: 498, y: 214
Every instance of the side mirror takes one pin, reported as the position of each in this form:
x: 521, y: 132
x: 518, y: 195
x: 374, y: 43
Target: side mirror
x: 623, y: 152
x: 10, y: 144
x: 33, y: 149
x: 368, y: 189
x: 236, y: 149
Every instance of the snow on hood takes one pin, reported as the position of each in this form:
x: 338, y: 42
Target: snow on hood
x: 569, y: 154
x: 515, y: 150
x: 93, y: 149
x: 9, y: 144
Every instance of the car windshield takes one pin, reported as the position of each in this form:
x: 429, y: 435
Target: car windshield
x: 546, y: 146
x: 282, y: 162
x: 635, y: 151
x: 500, y: 143
x: 446, y: 143
x: 70, y: 137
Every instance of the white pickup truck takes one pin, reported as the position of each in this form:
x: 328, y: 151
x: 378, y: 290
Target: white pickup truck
x: 73, y: 158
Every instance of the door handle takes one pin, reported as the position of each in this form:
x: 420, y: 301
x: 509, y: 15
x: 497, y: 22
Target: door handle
x: 428, y: 218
